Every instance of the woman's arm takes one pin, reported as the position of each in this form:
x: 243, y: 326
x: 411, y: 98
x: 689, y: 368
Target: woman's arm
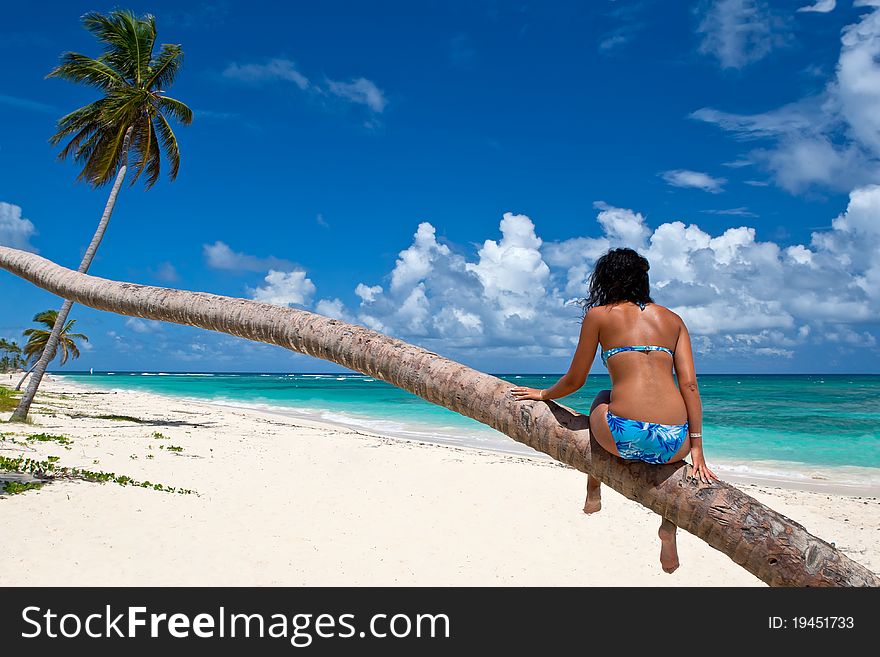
x: 687, y: 384
x: 577, y: 371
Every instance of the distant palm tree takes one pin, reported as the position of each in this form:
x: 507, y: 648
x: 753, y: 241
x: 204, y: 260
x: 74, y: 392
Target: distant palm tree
x: 37, y: 339
x: 130, y: 114
x: 12, y: 358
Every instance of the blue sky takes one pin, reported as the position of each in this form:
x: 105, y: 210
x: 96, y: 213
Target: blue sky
x: 448, y: 172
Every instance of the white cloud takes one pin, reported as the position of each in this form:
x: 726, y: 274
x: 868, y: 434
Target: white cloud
x: 512, y: 271
x: 695, y: 179
x: 360, y: 91
x: 220, y: 256
x: 285, y: 288
x: 740, y: 32
x: 142, y: 326
x: 367, y: 294
x: 331, y: 308
x: 15, y: 230
x: 820, y: 6
x: 832, y: 138
x: 274, y: 69
x: 740, y: 296
x: 416, y: 261
x: 622, y: 227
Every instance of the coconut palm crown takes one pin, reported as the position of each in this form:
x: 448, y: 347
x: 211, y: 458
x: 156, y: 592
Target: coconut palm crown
x: 134, y: 82
x: 38, y: 337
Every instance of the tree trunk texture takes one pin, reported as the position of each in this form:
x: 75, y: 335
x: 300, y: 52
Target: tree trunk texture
x: 21, y: 380
x: 48, y: 354
x: 774, y: 548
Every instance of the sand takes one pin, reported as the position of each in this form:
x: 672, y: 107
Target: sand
x: 286, y: 501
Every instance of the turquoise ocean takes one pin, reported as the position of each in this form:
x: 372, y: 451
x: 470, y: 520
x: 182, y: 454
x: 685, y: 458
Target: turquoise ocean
x: 797, y: 428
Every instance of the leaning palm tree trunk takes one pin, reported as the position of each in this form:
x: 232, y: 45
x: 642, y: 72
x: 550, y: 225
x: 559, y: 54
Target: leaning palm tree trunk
x: 21, y: 380
x: 24, y: 405
x: 774, y: 548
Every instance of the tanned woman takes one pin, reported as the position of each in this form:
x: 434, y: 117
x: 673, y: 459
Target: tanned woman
x: 653, y: 411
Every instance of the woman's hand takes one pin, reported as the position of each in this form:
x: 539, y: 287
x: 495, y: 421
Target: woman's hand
x: 701, y: 470
x: 523, y: 394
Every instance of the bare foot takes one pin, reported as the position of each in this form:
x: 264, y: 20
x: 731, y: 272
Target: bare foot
x: 668, y: 550
x: 594, y: 500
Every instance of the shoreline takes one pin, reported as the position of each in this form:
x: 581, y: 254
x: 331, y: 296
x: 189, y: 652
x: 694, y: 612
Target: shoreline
x: 285, y: 501
x: 784, y: 474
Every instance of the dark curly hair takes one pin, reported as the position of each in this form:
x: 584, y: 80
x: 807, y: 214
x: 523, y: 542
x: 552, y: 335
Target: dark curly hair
x: 619, y: 275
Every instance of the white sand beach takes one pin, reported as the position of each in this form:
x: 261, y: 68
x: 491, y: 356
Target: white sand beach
x: 284, y: 501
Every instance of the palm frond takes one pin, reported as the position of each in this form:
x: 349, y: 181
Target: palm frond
x: 47, y: 318
x: 105, y: 158
x: 77, y: 120
x: 62, y: 348
x: 73, y: 146
x: 146, y: 149
x: 75, y: 67
x: 128, y: 41
x: 165, y: 67
x: 175, y: 108
x: 124, y: 105
x: 169, y: 144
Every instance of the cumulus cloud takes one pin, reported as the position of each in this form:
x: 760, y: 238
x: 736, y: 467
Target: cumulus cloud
x: 220, y: 256
x: 740, y: 32
x: 512, y: 271
x: 367, y: 293
x: 15, y: 230
x: 695, y: 179
x: 820, y: 6
x: 292, y: 288
x: 331, y: 308
x: 739, y: 295
x: 830, y: 139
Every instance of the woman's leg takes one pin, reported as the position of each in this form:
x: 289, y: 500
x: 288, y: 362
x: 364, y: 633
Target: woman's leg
x: 668, y: 546
x: 600, y: 431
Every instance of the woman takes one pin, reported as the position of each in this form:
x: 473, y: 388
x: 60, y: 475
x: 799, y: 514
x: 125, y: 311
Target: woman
x: 645, y: 416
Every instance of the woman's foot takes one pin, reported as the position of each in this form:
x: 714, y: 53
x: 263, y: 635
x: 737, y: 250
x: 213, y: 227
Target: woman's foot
x: 668, y: 548
x: 594, y: 496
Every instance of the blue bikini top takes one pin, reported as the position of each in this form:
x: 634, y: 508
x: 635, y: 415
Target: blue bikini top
x: 638, y: 347
x: 608, y: 353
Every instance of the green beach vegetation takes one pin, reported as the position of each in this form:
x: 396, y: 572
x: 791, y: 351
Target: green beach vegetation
x: 8, y: 399
x: 48, y: 470
x: 131, y: 115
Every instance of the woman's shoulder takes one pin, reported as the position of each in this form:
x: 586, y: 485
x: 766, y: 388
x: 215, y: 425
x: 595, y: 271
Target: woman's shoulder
x: 668, y: 313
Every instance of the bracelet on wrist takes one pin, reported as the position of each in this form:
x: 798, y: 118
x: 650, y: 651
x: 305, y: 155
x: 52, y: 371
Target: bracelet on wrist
x: 695, y: 434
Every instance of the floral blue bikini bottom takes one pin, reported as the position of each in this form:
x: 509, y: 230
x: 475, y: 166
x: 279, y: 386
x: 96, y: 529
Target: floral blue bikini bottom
x: 646, y: 441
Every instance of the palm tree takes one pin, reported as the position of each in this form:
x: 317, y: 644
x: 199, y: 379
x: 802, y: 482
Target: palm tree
x: 12, y: 358
x: 774, y: 548
x: 37, y: 339
x: 131, y: 114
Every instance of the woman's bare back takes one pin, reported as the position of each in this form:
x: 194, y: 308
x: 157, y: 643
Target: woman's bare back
x: 643, y: 387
